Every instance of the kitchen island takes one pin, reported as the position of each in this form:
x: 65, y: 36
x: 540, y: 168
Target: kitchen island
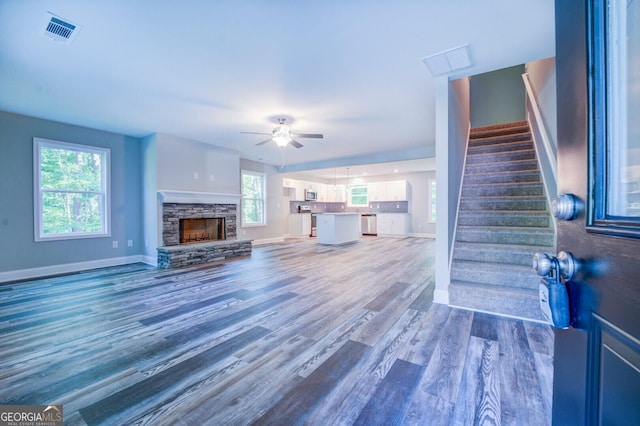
x: 337, y: 228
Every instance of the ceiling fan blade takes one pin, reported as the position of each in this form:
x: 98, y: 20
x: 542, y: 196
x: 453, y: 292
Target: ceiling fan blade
x: 308, y: 135
x: 264, y: 141
x: 255, y: 133
x: 295, y: 143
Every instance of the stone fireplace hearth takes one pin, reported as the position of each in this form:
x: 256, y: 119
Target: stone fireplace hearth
x: 199, y: 232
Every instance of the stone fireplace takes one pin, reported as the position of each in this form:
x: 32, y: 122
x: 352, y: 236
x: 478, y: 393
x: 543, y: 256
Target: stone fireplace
x: 197, y: 215
x: 198, y: 228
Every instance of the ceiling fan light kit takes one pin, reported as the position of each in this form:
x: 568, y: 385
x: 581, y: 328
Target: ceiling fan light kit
x: 282, y: 136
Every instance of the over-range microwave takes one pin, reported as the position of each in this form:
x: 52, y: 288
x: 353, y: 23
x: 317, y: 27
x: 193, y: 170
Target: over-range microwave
x: 310, y: 195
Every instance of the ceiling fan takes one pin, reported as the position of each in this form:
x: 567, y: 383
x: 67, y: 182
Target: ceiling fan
x: 283, y: 136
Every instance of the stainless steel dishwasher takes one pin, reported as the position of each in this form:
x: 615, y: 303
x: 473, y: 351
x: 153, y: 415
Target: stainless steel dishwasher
x: 368, y: 223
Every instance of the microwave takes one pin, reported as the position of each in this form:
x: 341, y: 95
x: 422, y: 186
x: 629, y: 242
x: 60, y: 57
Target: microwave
x: 310, y: 195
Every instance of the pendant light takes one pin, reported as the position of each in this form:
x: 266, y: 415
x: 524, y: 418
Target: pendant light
x: 348, y: 185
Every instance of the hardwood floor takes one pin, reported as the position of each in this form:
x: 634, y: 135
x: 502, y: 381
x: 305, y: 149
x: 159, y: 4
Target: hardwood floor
x: 298, y: 333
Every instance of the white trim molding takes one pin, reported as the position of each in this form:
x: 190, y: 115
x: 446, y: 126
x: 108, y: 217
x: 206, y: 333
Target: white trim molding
x: 187, y: 197
x: 44, y: 271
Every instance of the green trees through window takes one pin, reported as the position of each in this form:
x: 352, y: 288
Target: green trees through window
x: 358, y: 196
x: 71, y: 187
x: 253, y: 198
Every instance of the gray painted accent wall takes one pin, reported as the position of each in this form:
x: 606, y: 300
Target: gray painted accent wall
x: 498, y: 97
x: 542, y: 76
x: 17, y: 245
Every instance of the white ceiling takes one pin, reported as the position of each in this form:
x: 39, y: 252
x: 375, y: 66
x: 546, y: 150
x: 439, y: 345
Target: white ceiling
x: 207, y: 70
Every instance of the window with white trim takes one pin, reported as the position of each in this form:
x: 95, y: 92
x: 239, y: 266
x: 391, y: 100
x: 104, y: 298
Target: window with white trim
x: 253, y: 204
x: 358, y: 196
x: 71, y: 190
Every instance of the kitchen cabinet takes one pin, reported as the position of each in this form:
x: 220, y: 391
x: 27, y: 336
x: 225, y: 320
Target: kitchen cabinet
x: 393, y: 224
x: 387, y: 191
x: 396, y: 190
x: 299, y: 225
x: 376, y: 191
x: 336, y: 193
x: 338, y: 228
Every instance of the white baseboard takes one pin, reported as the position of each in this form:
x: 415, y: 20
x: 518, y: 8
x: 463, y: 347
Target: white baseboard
x: 422, y: 235
x: 150, y: 260
x: 441, y: 297
x: 267, y: 241
x: 23, y: 274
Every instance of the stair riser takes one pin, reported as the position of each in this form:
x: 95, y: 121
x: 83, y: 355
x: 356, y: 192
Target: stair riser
x: 497, y: 237
x: 506, y: 203
x: 522, y: 304
x: 481, y: 148
x: 519, y: 166
x: 478, y: 190
x: 502, y: 279
x: 539, y: 221
x: 501, y: 157
x: 497, y: 132
x: 498, y: 178
x: 507, y: 258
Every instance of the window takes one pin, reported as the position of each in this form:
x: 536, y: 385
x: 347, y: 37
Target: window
x: 253, y: 199
x: 358, y: 195
x: 71, y: 190
x: 432, y: 200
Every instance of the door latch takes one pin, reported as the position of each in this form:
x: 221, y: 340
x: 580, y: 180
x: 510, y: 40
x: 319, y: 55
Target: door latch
x: 554, y: 298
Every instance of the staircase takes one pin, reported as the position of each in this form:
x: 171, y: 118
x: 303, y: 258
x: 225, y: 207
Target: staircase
x: 503, y: 220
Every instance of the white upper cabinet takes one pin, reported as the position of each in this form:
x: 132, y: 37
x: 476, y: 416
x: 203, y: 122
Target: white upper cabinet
x: 396, y: 190
x: 387, y: 191
x: 377, y: 191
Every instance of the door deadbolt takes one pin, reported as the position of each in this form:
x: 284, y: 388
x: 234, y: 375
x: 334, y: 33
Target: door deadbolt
x: 564, y: 266
x: 566, y: 207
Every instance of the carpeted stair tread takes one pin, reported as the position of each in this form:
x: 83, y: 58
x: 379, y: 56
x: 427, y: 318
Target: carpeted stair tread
x: 494, y: 274
x: 510, y: 254
x: 511, y: 176
x: 501, y: 157
x: 502, y: 166
x: 493, y: 145
x: 503, y: 189
x: 506, y: 235
x: 503, y: 203
x: 488, y: 133
x: 498, y: 139
x: 528, y: 218
x: 522, y: 303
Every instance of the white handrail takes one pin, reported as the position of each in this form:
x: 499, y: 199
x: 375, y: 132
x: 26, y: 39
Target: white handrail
x: 550, y: 153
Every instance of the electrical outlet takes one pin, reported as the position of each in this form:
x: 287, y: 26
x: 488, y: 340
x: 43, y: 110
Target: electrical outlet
x: 115, y: 244
x: 195, y: 175
x: 130, y: 243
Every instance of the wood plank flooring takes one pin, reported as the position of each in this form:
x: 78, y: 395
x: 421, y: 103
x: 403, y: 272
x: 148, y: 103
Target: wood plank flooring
x: 299, y: 333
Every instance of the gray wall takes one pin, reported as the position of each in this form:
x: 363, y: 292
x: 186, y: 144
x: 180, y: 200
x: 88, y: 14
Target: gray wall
x: 497, y: 97
x: 542, y: 76
x: 180, y: 159
x: 17, y: 245
x: 276, y: 225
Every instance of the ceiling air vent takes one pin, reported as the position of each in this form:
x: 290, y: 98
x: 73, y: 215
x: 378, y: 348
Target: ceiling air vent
x: 59, y: 29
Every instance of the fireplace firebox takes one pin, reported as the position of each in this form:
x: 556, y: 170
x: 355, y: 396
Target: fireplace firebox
x: 201, y: 230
